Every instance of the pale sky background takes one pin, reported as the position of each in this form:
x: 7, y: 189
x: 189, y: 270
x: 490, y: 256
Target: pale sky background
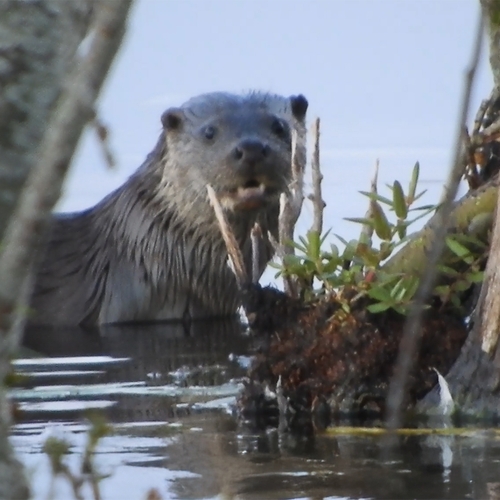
x: 385, y: 76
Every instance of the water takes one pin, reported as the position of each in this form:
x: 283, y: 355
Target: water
x: 169, y: 393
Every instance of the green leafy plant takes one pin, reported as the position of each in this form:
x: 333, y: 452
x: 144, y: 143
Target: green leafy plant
x: 469, y: 251
x: 358, y: 268
x: 357, y: 271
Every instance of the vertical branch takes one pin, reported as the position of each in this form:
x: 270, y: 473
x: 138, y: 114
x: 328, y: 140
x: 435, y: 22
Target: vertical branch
x: 255, y: 236
x: 233, y: 250
x: 413, y: 324
x: 291, y: 202
x: 316, y: 197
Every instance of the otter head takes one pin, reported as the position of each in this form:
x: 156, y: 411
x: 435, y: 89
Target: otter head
x: 240, y: 145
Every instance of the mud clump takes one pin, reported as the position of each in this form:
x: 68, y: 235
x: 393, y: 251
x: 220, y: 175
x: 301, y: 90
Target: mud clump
x: 332, y: 364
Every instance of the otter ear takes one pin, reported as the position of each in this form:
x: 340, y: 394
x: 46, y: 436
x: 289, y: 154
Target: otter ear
x: 299, y: 106
x: 172, y: 119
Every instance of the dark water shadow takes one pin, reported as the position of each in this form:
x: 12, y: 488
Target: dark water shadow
x: 201, y: 354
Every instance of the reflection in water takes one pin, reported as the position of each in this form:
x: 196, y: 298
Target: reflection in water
x: 268, y: 466
x: 195, y: 452
x: 205, y: 353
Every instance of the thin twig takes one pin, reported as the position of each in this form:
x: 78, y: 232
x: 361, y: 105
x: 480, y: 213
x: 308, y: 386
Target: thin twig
x: 291, y: 202
x: 413, y: 324
x: 256, y: 237
x: 233, y: 250
x: 316, y: 197
x: 102, y: 132
x: 478, y: 121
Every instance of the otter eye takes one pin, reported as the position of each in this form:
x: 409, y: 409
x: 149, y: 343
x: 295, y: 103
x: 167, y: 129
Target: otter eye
x: 209, y: 132
x: 278, y: 127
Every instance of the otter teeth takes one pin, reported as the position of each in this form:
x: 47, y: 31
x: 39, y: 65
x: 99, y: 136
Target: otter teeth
x: 251, y: 191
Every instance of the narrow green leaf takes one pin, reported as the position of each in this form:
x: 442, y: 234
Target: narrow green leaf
x: 381, y: 224
x: 448, y: 271
x: 412, y: 188
x: 344, y: 241
x: 361, y: 220
x: 424, y: 207
x: 401, y: 227
x: 304, y: 242
x: 377, y: 197
x: 323, y: 238
x: 379, y: 293
x: 419, y: 195
x: 457, y: 248
x: 398, y: 197
x: 395, y: 291
x: 369, y: 256
x: 379, y: 307
x: 475, y: 277
x: 422, y: 215
x: 314, y: 244
x: 462, y: 285
x: 334, y: 249
x: 412, y: 287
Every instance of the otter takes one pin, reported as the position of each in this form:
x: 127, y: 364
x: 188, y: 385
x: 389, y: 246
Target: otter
x: 152, y: 250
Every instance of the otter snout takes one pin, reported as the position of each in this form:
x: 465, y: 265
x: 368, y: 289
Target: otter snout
x: 251, y: 151
x: 251, y: 160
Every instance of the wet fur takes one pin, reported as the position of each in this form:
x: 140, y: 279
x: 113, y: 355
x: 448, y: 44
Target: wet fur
x: 152, y: 250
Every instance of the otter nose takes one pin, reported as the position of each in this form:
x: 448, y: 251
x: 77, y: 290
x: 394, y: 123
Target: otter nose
x: 251, y: 151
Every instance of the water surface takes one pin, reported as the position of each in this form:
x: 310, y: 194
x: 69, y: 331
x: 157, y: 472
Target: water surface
x: 169, y: 393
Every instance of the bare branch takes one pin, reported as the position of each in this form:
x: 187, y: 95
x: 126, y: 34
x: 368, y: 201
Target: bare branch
x: 233, y: 250
x: 316, y: 196
x: 291, y: 202
x: 413, y: 325
x: 102, y: 132
x: 256, y: 237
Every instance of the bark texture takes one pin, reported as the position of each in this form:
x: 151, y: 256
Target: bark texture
x: 38, y: 42
x: 491, y: 13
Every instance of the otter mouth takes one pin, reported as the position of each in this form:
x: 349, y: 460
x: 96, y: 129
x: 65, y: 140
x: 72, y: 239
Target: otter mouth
x: 250, y: 196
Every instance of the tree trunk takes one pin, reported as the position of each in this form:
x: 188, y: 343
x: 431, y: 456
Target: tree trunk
x: 38, y: 42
